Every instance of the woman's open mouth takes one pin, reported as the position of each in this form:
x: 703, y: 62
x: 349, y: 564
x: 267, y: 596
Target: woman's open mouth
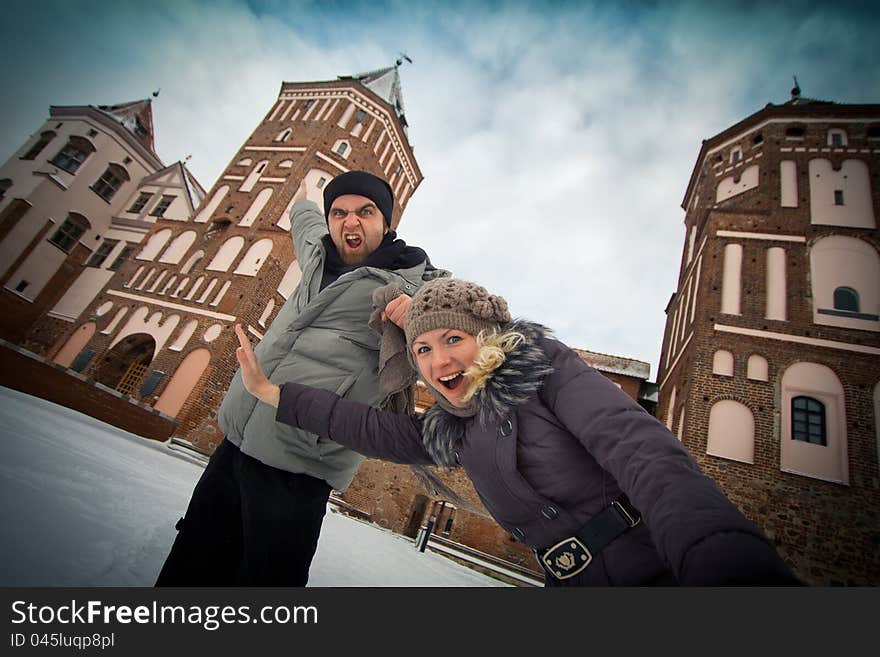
x: 452, y: 381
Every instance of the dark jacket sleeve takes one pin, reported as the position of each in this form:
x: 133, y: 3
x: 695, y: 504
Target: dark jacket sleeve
x: 700, y: 534
x: 367, y: 430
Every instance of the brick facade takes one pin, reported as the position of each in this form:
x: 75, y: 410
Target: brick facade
x: 826, y: 528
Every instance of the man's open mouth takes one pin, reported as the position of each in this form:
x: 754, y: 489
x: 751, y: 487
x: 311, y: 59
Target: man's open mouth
x: 452, y: 381
x: 354, y: 241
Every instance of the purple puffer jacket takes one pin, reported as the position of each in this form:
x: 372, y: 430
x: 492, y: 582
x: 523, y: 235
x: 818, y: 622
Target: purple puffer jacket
x: 554, y: 443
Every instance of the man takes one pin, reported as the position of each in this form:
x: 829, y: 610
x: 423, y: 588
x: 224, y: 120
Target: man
x: 256, y: 513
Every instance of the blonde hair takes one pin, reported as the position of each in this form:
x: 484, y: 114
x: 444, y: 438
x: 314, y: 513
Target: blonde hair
x: 492, y: 352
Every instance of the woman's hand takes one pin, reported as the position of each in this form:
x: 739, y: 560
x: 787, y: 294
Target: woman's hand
x: 396, y: 309
x: 252, y: 374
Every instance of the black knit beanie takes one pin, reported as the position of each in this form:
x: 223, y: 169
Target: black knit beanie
x: 362, y: 184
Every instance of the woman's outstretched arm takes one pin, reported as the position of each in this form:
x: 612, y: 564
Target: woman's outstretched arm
x: 367, y: 430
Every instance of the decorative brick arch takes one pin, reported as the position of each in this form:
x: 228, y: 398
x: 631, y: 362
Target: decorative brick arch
x: 75, y: 344
x: 182, y: 383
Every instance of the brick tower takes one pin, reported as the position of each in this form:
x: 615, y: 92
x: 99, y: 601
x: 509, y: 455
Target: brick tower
x: 770, y: 361
x: 159, y: 331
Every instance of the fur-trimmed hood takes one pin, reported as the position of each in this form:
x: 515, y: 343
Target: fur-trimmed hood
x: 517, y: 379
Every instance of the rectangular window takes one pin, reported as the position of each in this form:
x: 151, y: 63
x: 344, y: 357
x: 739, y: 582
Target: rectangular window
x: 101, y: 253
x: 360, y: 116
x: 35, y: 150
x: 21, y: 286
x: 138, y: 206
x: 121, y: 258
x: 808, y: 420
x: 321, y: 182
x: 341, y: 148
x: 838, y: 197
x: 159, y: 210
x: 107, y: 185
x: 66, y: 237
x: 70, y: 158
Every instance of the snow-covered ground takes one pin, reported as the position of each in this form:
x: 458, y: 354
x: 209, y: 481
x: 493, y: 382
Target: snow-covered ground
x: 83, y: 503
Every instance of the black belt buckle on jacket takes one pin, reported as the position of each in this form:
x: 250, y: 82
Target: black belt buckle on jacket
x: 574, y: 553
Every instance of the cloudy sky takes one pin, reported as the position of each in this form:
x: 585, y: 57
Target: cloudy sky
x: 556, y: 138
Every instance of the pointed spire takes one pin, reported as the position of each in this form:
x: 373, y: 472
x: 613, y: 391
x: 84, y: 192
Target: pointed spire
x: 385, y: 83
x: 137, y: 117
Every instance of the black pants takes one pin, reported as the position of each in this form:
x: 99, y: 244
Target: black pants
x: 247, y: 524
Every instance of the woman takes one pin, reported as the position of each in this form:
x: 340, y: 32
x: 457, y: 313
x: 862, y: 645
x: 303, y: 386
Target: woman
x: 562, y: 459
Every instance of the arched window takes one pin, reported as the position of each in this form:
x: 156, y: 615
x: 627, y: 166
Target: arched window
x: 847, y: 299
x: 284, y: 135
x: 722, y: 363
x: 670, y: 411
x: 74, y: 153
x: 206, y: 212
x: 195, y: 288
x: 291, y: 279
x: 157, y: 241
x: 131, y: 281
x: 845, y: 281
x: 731, y: 431
x: 731, y: 282
x: 808, y: 420
x: 68, y: 234
x: 5, y: 184
x: 226, y: 254
x: 193, y: 262
x: 221, y: 293
x: 256, y: 207
x: 757, y: 368
x: 254, y: 258
x: 813, y: 431
x: 37, y: 148
x: 267, y: 312
x: 183, y: 382
x: 184, y: 336
x: 110, y: 181
x: 253, y: 177
x: 178, y: 248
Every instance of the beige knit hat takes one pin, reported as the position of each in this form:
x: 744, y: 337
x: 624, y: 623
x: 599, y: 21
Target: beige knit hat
x: 452, y: 303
